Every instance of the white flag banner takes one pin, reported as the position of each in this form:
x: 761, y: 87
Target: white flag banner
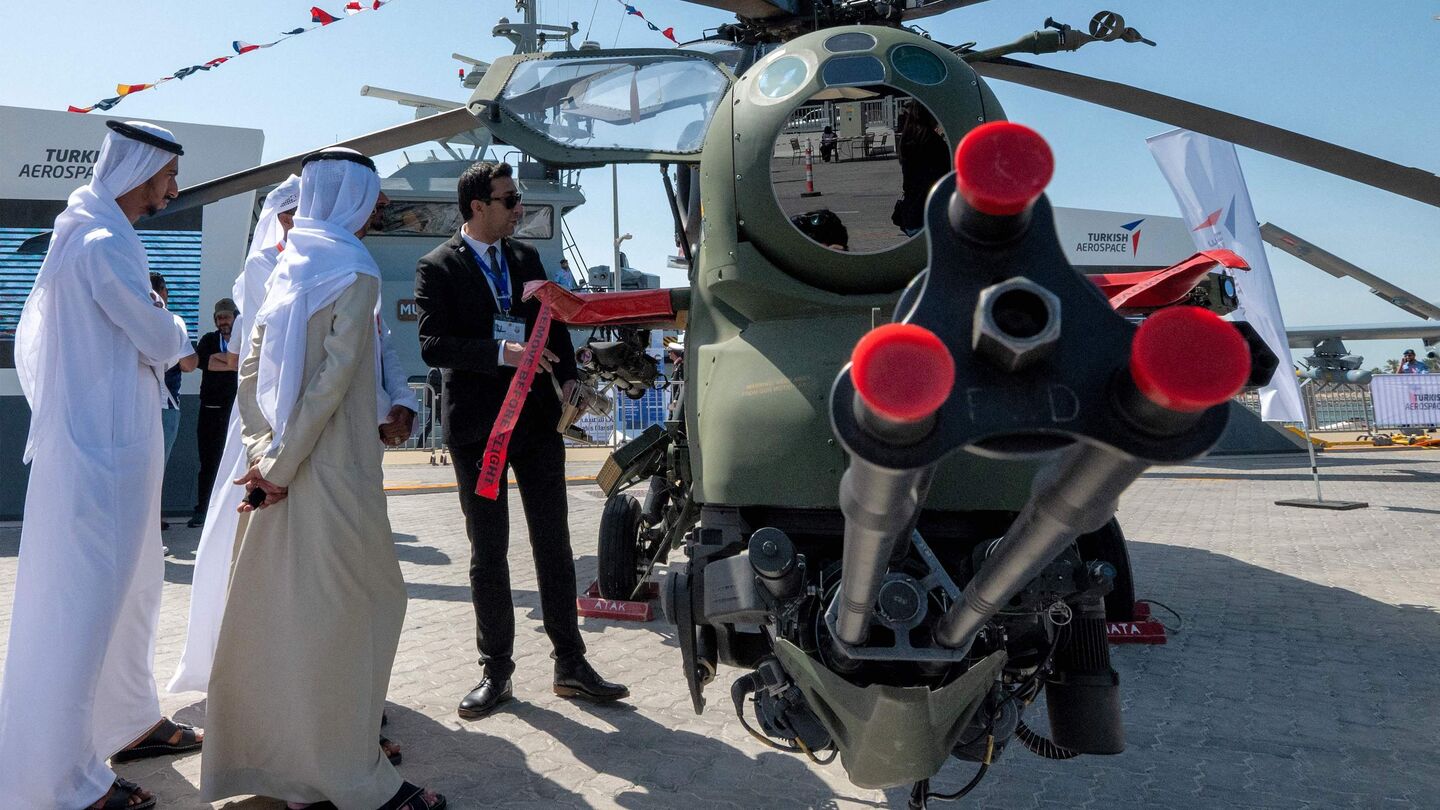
x: 1205, y: 175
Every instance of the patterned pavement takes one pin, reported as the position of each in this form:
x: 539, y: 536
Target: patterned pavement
x: 1307, y: 673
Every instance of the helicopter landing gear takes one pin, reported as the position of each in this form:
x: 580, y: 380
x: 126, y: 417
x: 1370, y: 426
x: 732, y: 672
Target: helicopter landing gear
x: 622, y: 561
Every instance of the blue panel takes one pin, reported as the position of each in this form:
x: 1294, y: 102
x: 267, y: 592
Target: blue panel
x: 853, y: 70
x: 174, y: 254
x: 850, y: 41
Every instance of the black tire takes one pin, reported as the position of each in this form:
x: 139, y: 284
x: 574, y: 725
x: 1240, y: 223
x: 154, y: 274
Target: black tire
x: 619, y: 547
x: 1108, y: 543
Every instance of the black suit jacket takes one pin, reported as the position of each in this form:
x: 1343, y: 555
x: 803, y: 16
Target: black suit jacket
x: 457, y: 312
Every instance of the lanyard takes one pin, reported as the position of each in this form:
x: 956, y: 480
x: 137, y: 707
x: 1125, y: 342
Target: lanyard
x: 224, y: 345
x: 500, y: 279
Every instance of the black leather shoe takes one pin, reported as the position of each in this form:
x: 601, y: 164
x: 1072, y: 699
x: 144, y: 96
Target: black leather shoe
x: 582, y: 681
x: 483, y: 699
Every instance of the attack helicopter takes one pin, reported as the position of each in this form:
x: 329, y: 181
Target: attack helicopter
x: 896, y: 466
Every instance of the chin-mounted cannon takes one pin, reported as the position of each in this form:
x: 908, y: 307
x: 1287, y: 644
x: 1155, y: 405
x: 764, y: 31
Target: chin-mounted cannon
x: 900, y: 651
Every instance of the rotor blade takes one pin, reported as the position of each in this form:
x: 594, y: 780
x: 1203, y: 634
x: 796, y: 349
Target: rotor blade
x: 1339, y: 268
x: 1407, y: 181
x: 922, y: 9
x: 443, y: 125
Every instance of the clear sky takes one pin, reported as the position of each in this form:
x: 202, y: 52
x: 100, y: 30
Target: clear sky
x: 1362, y: 75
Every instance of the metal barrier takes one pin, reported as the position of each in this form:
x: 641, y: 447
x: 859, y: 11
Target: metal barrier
x: 429, y: 432
x: 630, y: 416
x: 1338, y: 407
x: 1328, y: 407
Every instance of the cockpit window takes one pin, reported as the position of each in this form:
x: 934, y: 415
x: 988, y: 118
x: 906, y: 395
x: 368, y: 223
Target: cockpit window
x: 724, y: 50
x: 650, y: 103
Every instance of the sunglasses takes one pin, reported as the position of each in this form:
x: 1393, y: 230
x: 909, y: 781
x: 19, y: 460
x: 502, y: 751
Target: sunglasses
x: 509, y: 200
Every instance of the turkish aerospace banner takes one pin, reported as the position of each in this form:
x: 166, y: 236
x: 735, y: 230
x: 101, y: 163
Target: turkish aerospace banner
x: 1205, y: 175
x: 1406, y: 400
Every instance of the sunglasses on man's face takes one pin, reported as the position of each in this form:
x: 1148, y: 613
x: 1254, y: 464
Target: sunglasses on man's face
x: 509, y: 200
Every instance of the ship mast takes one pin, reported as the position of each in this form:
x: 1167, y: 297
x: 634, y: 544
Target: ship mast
x: 530, y: 36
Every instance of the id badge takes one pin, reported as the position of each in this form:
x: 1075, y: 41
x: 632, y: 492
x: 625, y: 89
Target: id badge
x: 509, y: 328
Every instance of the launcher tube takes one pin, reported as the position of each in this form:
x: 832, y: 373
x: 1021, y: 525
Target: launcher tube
x: 877, y: 503
x: 1076, y: 496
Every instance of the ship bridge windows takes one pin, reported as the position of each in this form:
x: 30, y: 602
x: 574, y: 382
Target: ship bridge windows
x: 537, y: 223
x: 442, y: 218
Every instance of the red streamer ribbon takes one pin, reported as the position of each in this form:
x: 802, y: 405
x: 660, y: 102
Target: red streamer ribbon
x: 492, y: 469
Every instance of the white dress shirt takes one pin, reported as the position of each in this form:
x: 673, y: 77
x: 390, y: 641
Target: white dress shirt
x: 482, y: 252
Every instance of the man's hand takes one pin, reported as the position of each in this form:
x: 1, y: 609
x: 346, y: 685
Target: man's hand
x: 252, y: 480
x: 223, y: 361
x: 567, y: 394
x: 398, y: 425
x: 515, y: 351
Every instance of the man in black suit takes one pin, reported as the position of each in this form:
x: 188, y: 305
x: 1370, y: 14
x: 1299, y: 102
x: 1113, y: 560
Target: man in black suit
x: 473, y: 326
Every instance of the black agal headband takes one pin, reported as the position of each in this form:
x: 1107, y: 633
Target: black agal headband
x: 335, y: 154
x: 149, y: 138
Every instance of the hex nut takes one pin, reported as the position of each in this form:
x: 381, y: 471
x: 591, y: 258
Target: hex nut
x: 1016, y: 323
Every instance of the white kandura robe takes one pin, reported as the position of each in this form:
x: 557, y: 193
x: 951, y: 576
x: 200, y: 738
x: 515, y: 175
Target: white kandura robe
x: 223, y: 524
x: 79, y: 682
x: 316, y: 601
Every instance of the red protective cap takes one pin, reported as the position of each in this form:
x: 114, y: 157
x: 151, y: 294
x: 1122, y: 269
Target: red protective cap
x: 1002, y: 168
x: 1187, y: 359
x: 902, y: 372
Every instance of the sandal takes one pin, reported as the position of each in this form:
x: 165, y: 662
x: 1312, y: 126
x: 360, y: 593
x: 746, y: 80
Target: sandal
x: 395, y: 757
x: 157, y: 742
x: 119, y: 797
x: 410, y: 797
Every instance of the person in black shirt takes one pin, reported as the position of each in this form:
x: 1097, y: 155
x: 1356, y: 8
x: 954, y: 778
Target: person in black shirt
x: 219, y: 376
x: 924, y: 159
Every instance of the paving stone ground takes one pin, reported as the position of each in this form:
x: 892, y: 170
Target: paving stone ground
x: 1307, y: 673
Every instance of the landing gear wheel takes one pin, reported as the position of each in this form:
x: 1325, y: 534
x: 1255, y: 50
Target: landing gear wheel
x: 620, y: 553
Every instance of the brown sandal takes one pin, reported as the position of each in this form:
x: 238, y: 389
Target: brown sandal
x: 119, y: 797
x: 157, y: 742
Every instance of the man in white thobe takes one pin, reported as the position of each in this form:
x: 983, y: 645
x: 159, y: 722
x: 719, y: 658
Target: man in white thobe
x: 308, y: 639
x: 223, y: 523
x: 91, y: 351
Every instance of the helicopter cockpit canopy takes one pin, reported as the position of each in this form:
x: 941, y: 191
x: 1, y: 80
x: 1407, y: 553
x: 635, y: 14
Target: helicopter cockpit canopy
x: 625, y: 106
